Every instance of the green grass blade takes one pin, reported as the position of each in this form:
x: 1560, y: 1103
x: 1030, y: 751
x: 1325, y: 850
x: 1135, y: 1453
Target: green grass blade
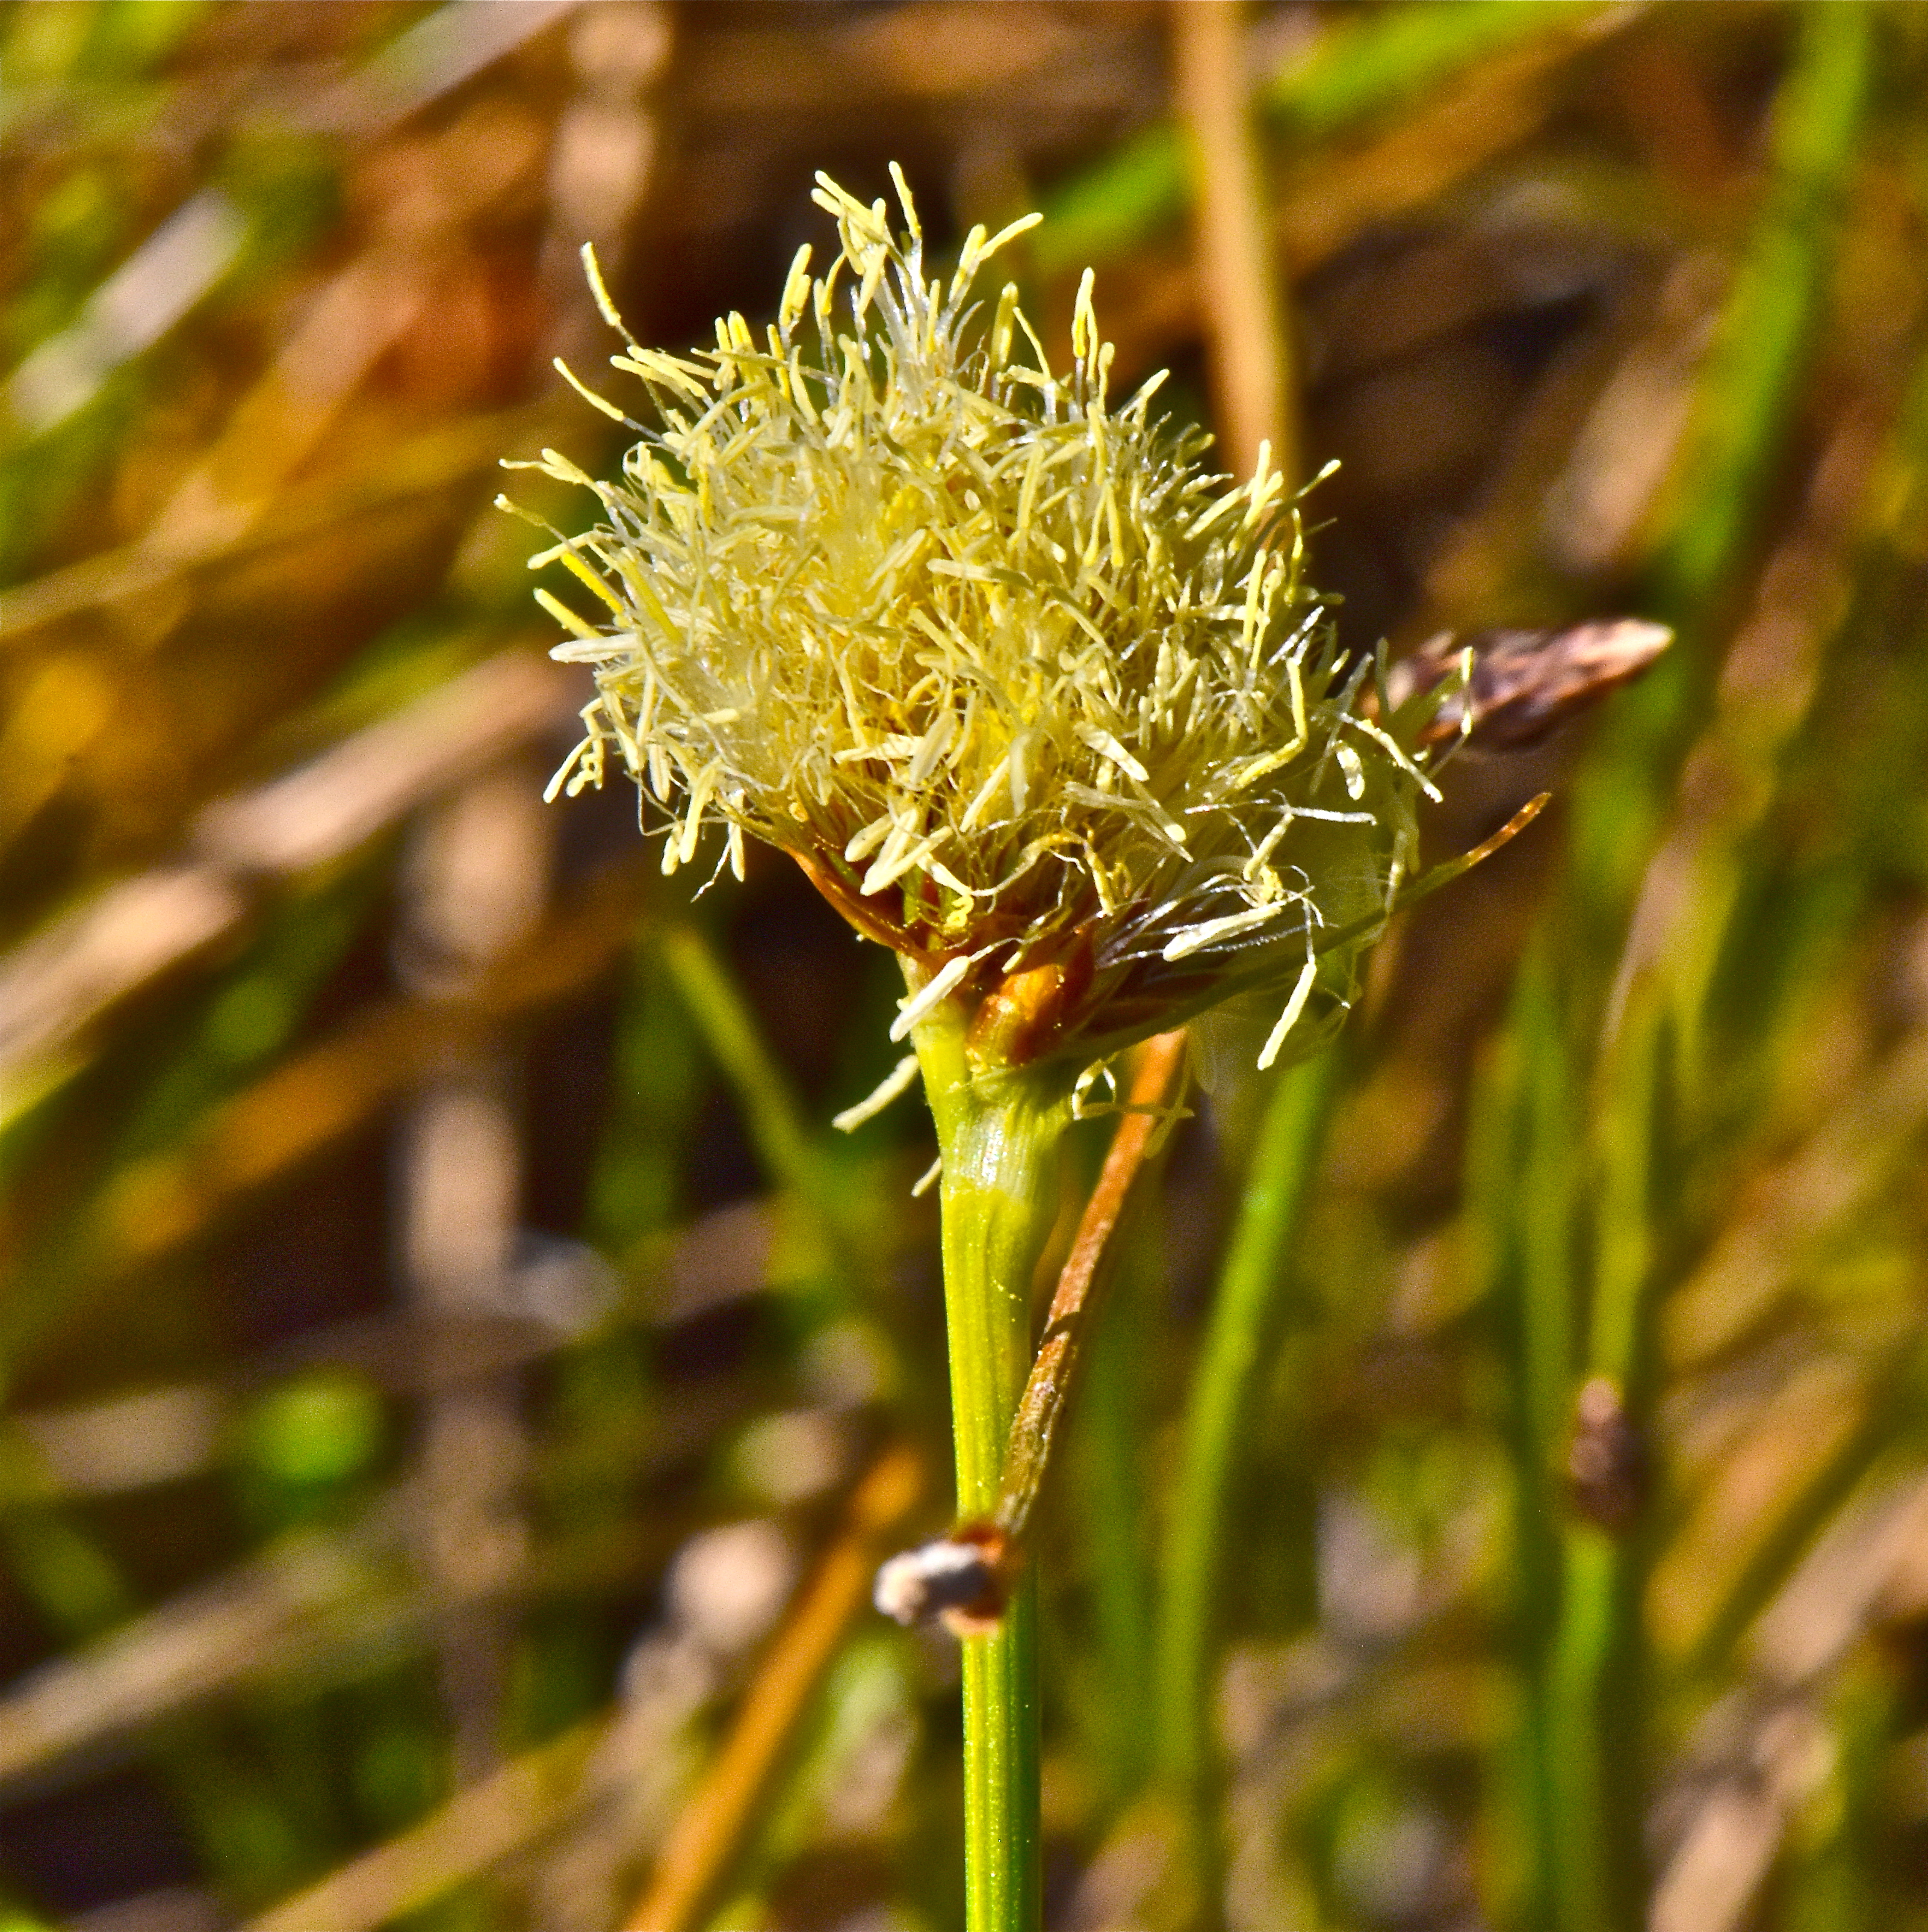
x: 1769, y: 328
x: 758, y: 1083
x: 1742, y: 427
x: 1242, y: 1326
x: 1595, y: 1739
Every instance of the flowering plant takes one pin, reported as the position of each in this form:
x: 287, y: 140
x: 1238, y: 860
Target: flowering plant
x: 1036, y: 701
x: 1031, y: 699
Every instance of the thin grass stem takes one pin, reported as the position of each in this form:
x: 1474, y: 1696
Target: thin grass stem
x: 1521, y: 1177
x: 1596, y: 1671
x: 1244, y: 1317
x: 759, y: 1085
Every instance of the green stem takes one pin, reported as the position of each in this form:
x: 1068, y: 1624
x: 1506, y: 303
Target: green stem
x: 998, y: 1129
x: 1595, y: 1716
x: 1242, y: 1321
x: 1539, y: 1202
x: 1589, y: 1890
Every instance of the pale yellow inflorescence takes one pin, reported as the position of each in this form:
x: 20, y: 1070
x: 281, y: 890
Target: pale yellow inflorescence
x: 1018, y: 683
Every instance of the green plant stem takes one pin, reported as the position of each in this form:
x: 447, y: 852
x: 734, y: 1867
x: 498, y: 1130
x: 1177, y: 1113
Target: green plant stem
x: 1596, y: 1688
x: 997, y: 1130
x: 1523, y: 1189
x: 1243, y: 1319
x: 1587, y: 1889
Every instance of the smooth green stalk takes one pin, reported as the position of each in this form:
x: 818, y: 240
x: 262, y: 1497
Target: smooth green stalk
x: 1595, y: 1691
x: 1522, y: 1187
x: 997, y: 1130
x: 1588, y: 1888
x: 1244, y: 1312
x: 833, y: 1238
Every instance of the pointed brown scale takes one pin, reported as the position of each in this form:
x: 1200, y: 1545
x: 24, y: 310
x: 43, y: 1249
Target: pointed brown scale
x: 1526, y: 684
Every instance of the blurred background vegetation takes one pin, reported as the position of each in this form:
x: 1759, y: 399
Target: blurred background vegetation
x: 456, y: 1390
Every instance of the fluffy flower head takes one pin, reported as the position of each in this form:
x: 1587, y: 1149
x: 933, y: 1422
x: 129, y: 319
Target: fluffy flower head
x: 1033, y: 698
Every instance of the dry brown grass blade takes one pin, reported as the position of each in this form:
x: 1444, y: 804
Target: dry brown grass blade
x: 249, y: 1622
x: 314, y: 1099
x: 67, y: 976
x: 1239, y: 278
x: 446, y: 48
x: 317, y: 1606
x: 707, y: 1838
x: 491, y: 1820
x: 58, y: 984
x: 1322, y: 203
x: 435, y: 460
x: 367, y: 783
x: 1729, y: 1846
x: 354, y: 319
